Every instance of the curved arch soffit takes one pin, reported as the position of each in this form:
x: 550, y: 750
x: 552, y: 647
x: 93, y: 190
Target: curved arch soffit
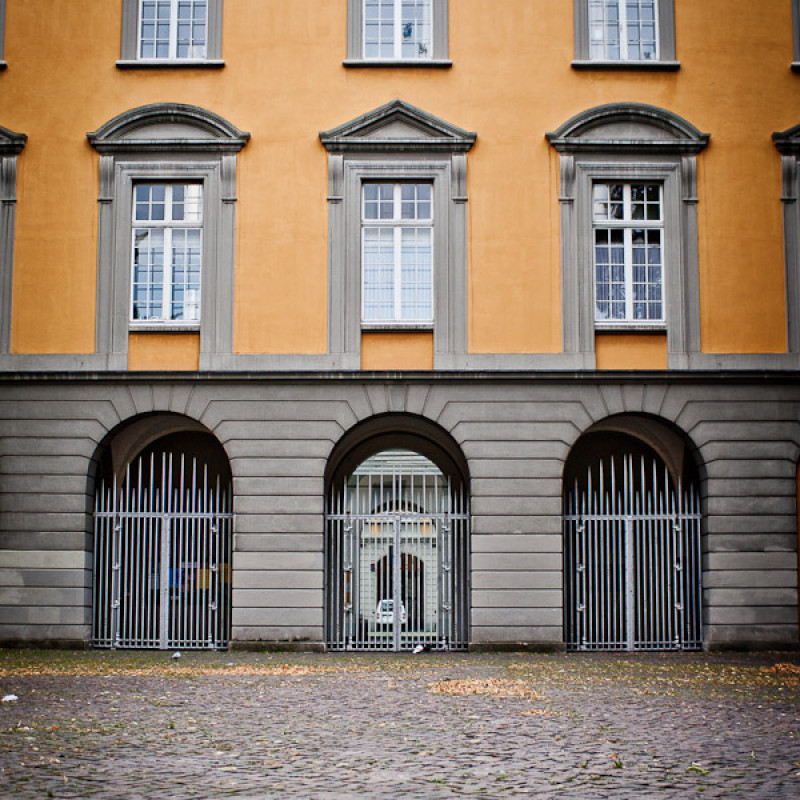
x: 134, y: 436
x: 396, y: 432
x: 628, y: 127
x: 670, y: 445
x: 166, y: 127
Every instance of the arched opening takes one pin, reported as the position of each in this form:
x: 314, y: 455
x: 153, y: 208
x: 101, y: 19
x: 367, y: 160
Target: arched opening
x: 632, y: 564
x: 397, y: 541
x: 162, y: 537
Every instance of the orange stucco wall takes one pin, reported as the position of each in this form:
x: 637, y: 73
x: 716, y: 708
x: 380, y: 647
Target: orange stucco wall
x: 510, y: 86
x: 382, y: 351
x: 631, y: 351
x: 163, y: 351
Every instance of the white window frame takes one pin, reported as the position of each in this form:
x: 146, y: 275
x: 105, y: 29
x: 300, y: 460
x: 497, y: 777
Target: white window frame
x: 665, y: 40
x: 396, y: 224
x: 356, y: 39
x: 627, y: 225
x: 130, y: 45
x: 168, y: 226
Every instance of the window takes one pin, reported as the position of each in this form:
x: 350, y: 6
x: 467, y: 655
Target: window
x: 11, y: 145
x: 397, y: 33
x: 625, y: 34
x: 167, y: 252
x: 159, y: 33
x: 628, y: 255
x: 629, y: 227
x: 172, y: 29
x: 166, y: 228
x: 397, y: 230
x: 397, y: 29
x: 397, y: 253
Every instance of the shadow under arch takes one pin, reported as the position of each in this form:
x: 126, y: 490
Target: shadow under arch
x: 157, y: 431
x: 397, y: 431
x: 638, y: 434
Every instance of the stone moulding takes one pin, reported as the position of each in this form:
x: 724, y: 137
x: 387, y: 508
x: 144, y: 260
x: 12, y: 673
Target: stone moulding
x: 197, y: 130
x: 634, y: 127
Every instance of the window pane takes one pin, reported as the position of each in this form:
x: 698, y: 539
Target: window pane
x: 416, y: 274
x: 378, y: 273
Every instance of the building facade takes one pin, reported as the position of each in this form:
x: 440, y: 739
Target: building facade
x: 347, y: 325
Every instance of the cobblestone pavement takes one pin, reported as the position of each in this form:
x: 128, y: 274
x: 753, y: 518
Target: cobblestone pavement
x: 245, y: 725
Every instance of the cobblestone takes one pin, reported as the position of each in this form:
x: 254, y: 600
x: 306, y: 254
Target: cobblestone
x: 122, y: 725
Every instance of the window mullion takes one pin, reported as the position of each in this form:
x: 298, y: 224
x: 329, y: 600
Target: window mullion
x: 398, y: 252
x: 622, y: 20
x: 173, y: 29
x: 398, y: 29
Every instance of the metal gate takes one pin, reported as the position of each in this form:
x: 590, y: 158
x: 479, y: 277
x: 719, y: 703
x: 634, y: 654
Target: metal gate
x: 397, y: 557
x: 162, y: 554
x: 632, y: 560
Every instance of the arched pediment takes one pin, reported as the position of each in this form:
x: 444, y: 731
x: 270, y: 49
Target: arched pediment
x: 11, y: 143
x: 628, y: 127
x: 168, y: 127
x: 396, y: 127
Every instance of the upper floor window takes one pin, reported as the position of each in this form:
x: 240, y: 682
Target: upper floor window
x: 171, y: 33
x: 397, y: 260
x: 623, y: 29
x: 617, y: 34
x: 628, y: 256
x: 167, y: 252
x: 397, y: 33
x: 796, y: 34
x: 397, y: 29
x: 173, y: 28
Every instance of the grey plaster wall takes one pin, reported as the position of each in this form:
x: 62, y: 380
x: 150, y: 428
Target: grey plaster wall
x: 515, y: 432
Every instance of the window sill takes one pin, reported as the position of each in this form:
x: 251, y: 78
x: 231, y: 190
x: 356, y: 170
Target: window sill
x: 407, y: 63
x: 163, y: 327
x: 630, y: 327
x: 795, y: 66
x: 612, y: 66
x: 163, y: 63
x: 395, y: 327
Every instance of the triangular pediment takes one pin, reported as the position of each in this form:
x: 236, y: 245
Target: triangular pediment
x: 11, y: 143
x: 788, y: 141
x: 397, y: 126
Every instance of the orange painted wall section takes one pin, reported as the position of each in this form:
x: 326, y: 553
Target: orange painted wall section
x: 389, y: 351
x: 631, y: 351
x: 163, y: 351
x: 284, y: 82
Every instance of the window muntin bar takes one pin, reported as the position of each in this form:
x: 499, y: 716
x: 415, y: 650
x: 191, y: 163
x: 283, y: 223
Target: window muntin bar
x: 398, y: 29
x: 623, y: 30
x: 173, y: 29
x: 397, y: 252
x: 167, y: 252
x: 628, y: 252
